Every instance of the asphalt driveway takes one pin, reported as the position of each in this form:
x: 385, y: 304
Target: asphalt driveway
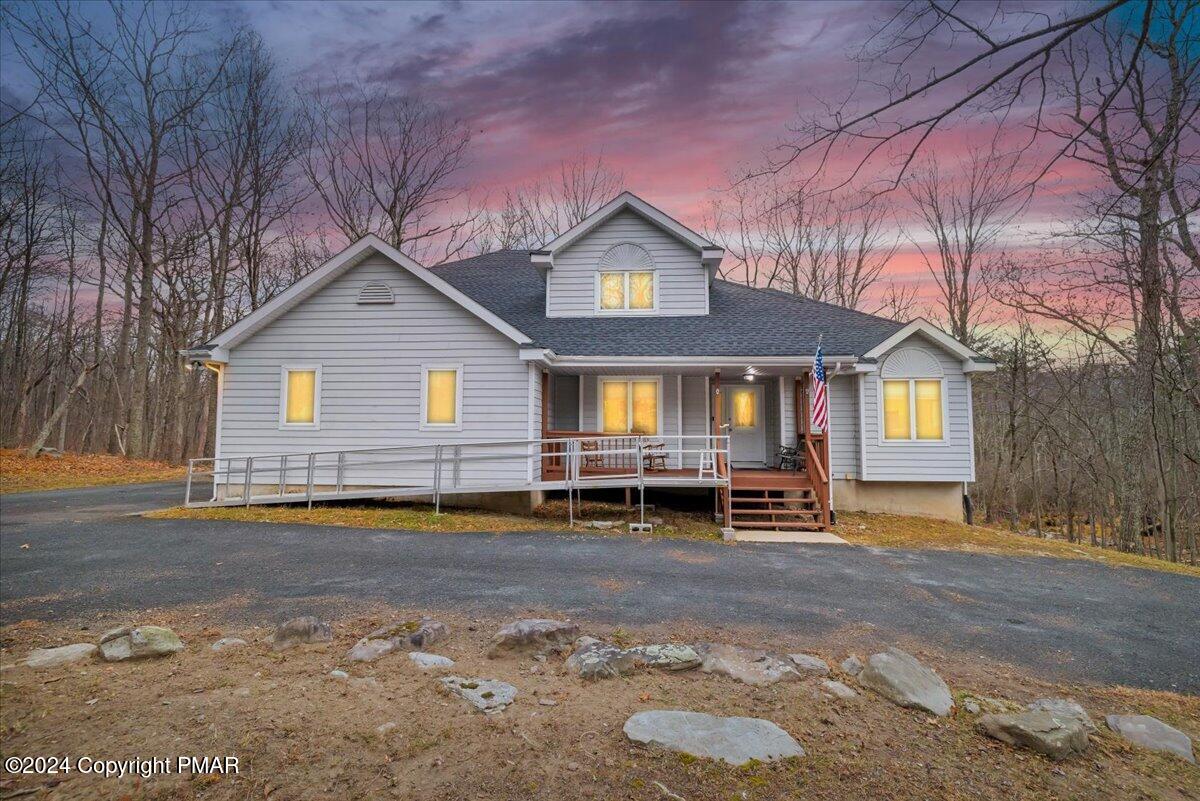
x: 1061, y: 618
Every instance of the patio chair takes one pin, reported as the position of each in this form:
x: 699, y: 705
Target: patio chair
x: 589, y: 448
x: 654, y: 455
x: 788, y: 458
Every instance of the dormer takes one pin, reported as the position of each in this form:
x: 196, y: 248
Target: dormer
x: 628, y: 259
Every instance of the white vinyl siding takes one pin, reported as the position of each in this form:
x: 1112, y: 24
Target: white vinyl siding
x: 949, y: 459
x: 843, y: 426
x: 371, y: 358
x: 681, y: 286
x: 695, y: 416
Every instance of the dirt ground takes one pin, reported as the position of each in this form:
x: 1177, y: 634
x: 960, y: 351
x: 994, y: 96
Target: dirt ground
x: 21, y: 473
x: 301, y: 734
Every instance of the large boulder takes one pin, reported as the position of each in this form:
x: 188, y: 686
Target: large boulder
x: 538, y: 635
x: 139, y: 642
x: 734, y: 740
x: 486, y: 695
x: 1044, y: 732
x: 749, y: 665
x: 1152, y: 733
x: 1064, y: 708
x: 594, y: 659
x: 406, y: 634
x: 63, y: 655
x: 668, y: 656
x: 306, y: 630
x: 901, y: 679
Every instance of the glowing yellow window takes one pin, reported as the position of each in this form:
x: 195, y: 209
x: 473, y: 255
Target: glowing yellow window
x: 300, y: 408
x: 612, y: 291
x: 928, y: 396
x: 745, y: 408
x: 645, y: 407
x: 441, y: 397
x: 641, y: 290
x: 616, y: 407
x: 896, y: 414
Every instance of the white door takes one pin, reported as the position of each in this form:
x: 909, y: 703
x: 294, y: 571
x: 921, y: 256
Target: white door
x: 747, y: 429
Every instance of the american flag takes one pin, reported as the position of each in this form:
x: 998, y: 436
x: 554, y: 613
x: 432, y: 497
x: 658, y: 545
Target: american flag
x: 820, y: 413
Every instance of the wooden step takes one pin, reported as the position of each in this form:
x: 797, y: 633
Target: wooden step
x: 757, y: 504
x: 780, y: 526
x: 782, y: 512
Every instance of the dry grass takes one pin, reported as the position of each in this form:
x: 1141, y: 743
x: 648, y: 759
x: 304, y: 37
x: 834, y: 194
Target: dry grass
x: 551, y: 516
x: 21, y: 473
x: 301, y: 734
x: 895, y: 531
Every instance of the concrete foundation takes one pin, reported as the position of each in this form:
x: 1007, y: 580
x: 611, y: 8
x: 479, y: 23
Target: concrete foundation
x: 939, y: 499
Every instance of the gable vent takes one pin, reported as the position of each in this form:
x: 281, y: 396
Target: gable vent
x: 376, y: 292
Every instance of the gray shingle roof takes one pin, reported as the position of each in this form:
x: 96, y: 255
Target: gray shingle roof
x: 741, y: 322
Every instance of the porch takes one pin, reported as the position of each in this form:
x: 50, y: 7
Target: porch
x: 777, y: 467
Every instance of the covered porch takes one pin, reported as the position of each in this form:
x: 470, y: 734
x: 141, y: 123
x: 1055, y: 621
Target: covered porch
x: 683, y: 426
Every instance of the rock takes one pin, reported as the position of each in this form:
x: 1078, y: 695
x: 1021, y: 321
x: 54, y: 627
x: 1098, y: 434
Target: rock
x: 1064, y: 708
x: 338, y: 674
x: 226, y: 643
x: 1047, y: 734
x: 139, y: 642
x: 1152, y: 733
x: 305, y: 630
x: 900, y: 678
x: 733, y: 740
x: 594, y: 659
x: 547, y: 702
x: 384, y: 728
x: 852, y: 665
x: 430, y: 661
x: 754, y: 667
x: 369, y: 650
x: 982, y: 703
x: 533, y: 634
x: 810, y: 664
x: 601, y: 524
x: 486, y: 695
x: 971, y: 706
x: 63, y: 655
x: 838, y: 689
x: 668, y: 656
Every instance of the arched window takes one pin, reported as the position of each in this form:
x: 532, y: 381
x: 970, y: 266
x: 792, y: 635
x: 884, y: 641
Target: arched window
x: 626, y: 280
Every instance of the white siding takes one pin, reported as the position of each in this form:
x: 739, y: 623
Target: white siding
x: 951, y: 460
x: 682, y: 281
x: 843, y: 426
x: 371, y: 357
x: 695, y: 415
x: 787, y: 410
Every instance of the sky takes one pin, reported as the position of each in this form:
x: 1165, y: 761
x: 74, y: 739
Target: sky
x: 674, y: 95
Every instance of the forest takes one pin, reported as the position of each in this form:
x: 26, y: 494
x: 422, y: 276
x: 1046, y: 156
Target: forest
x: 161, y: 178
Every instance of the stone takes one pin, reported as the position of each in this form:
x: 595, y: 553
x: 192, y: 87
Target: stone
x: 369, y: 650
x: 338, y: 674
x: 901, y: 679
x: 733, y: 740
x: 1152, y: 733
x: 668, y: 656
x: 547, y: 702
x: 1064, y: 708
x: 430, y: 661
x: 602, y: 524
x: 754, y: 667
x: 852, y: 665
x: 594, y: 659
x: 838, y: 689
x: 971, y: 706
x: 384, y: 728
x: 486, y: 695
x: 307, y: 630
x: 533, y: 634
x: 810, y: 664
x: 63, y: 655
x: 405, y: 634
x: 1039, y: 731
x: 226, y: 643
x: 139, y: 642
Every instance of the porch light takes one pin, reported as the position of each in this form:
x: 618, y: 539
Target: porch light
x: 749, y: 375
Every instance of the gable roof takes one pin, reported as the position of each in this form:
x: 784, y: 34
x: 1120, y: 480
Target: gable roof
x: 710, y: 254
x: 742, y: 321
x: 336, y: 266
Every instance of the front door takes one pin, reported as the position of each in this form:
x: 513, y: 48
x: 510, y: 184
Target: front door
x: 747, y: 429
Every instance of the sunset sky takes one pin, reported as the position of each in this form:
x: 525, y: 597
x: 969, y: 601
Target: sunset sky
x: 674, y: 95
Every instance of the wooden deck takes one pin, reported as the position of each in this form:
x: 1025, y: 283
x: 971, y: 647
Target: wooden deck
x: 743, y: 478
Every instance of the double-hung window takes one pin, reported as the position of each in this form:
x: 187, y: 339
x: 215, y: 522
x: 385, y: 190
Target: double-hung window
x: 441, y: 397
x: 627, y: 290
x: 912, y: 409
x: 629, y: 405
x: 300, y: 396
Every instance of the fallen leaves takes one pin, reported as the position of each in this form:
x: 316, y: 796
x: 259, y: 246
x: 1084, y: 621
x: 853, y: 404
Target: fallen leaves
x: 21, y: 473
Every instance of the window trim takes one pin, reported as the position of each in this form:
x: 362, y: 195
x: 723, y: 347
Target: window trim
x: 423, y: 400
x: 626, y: 310
x: 284, y: 369
x: 912, y: 411
x: 628, y: 379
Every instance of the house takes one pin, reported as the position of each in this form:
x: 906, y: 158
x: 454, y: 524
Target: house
x: 612, y: 357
